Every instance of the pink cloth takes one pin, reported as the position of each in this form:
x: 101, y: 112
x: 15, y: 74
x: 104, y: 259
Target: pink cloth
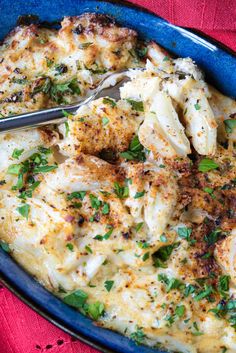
x: 21, y: 329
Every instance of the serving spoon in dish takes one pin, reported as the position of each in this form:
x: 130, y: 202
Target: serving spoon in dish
x: 109, y: 86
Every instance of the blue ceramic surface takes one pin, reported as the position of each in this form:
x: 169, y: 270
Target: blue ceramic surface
x: 220, y: 67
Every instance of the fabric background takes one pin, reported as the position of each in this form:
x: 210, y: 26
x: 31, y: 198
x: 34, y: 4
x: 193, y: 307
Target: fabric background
x: 21, y: 329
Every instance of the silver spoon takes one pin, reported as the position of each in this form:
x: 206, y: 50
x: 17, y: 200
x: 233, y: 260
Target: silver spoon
x: 56, y: 115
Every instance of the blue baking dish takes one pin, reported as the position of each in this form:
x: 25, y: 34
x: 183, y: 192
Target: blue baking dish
x: 219, y: 64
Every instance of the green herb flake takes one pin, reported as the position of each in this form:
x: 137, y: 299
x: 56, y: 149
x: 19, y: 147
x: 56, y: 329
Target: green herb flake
x: 105, y: 121
x: 76, y: 195
x: 14, y: 169
x: 206, y: 165
x: 95, y: 202
x: 17, y: 153
x: 146, y: 256
x: 136, y: 105
x: 105, y: 208
x: 44, y: 169
x: 4, y: 246
x: 109, y: 101
x: 166, y: 58
x: 88, y: 249
x: 163, y: 238
x: 185, y: 233
x: 139, y: 194
x: 136, y: 151
x: 76, y: 299
x: 230, y: 125
x: 163, y: 254
x: 138, y: 336
x: 197, y: 106
x: 70, y: 246
x: 24, y: 210
x: 121, y: 191
x: 49, y: 62
x: 180, y: 310
x: 94, y: 310
x: 139, y: 226
x: 108, y: 285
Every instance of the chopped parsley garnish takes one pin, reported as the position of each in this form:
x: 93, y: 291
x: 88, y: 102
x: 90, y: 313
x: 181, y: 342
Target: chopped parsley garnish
x: 70, y: 246
x: 136, y: 105
x: 139, y: 226
x: 163, y: 238
x: 108, y: 285
x: 17, y: 153
x: 76, y: 299
x: 88, y: 249
x: 24, y: 210
x: 121, y: 191
x: 135, y: 151
x: 105, y: 236
x: 197, y: 106
x: 67, y: 128
x: 185, y: 233
x: 94, y: 310
x: 206, y: 165
x: 210, y: 191
x: 170, y: 282
x: 196, y: 332
x: 105, y: 208
x: 163, y: 254
x: 141, y: 52
x: 95, y: 202
x: 49, y: 62
x: 55, y: 90
x: 146, y: 256
x: 143, y: 244
x: 45, y: 168
x: 230, y: 125
x: 138, y: 336
x: 4, y: 246
x: 109, y: 101
x: 223, y: 285
x: 166, y: 58
x: 205, y: 293
x: 14, y: 169
x: 180, y: 310
x: 139, y: 194
x: 105, y: 121
x: 213, y: 236
x: 76, y: 195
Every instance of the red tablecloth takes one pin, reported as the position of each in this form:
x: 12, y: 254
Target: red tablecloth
x: 21, y: 329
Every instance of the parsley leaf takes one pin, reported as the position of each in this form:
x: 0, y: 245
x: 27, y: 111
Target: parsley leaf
x: 163, y: 254
x: 138, y: 336
x: 139, y: 194
x: 185, y: 233
x: 17, y: 153
x: 105, y: 121
x: 109, y: 101
x: 121, y: 191
x: 230, y: 125
x: 24, y: 210
x: 135, y: 151
x: 108, y: 285
x: 76, y: 299
x: 136, y: 105
x: 76, y: 195
x: 206, y: 165
x: 4, y: 246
